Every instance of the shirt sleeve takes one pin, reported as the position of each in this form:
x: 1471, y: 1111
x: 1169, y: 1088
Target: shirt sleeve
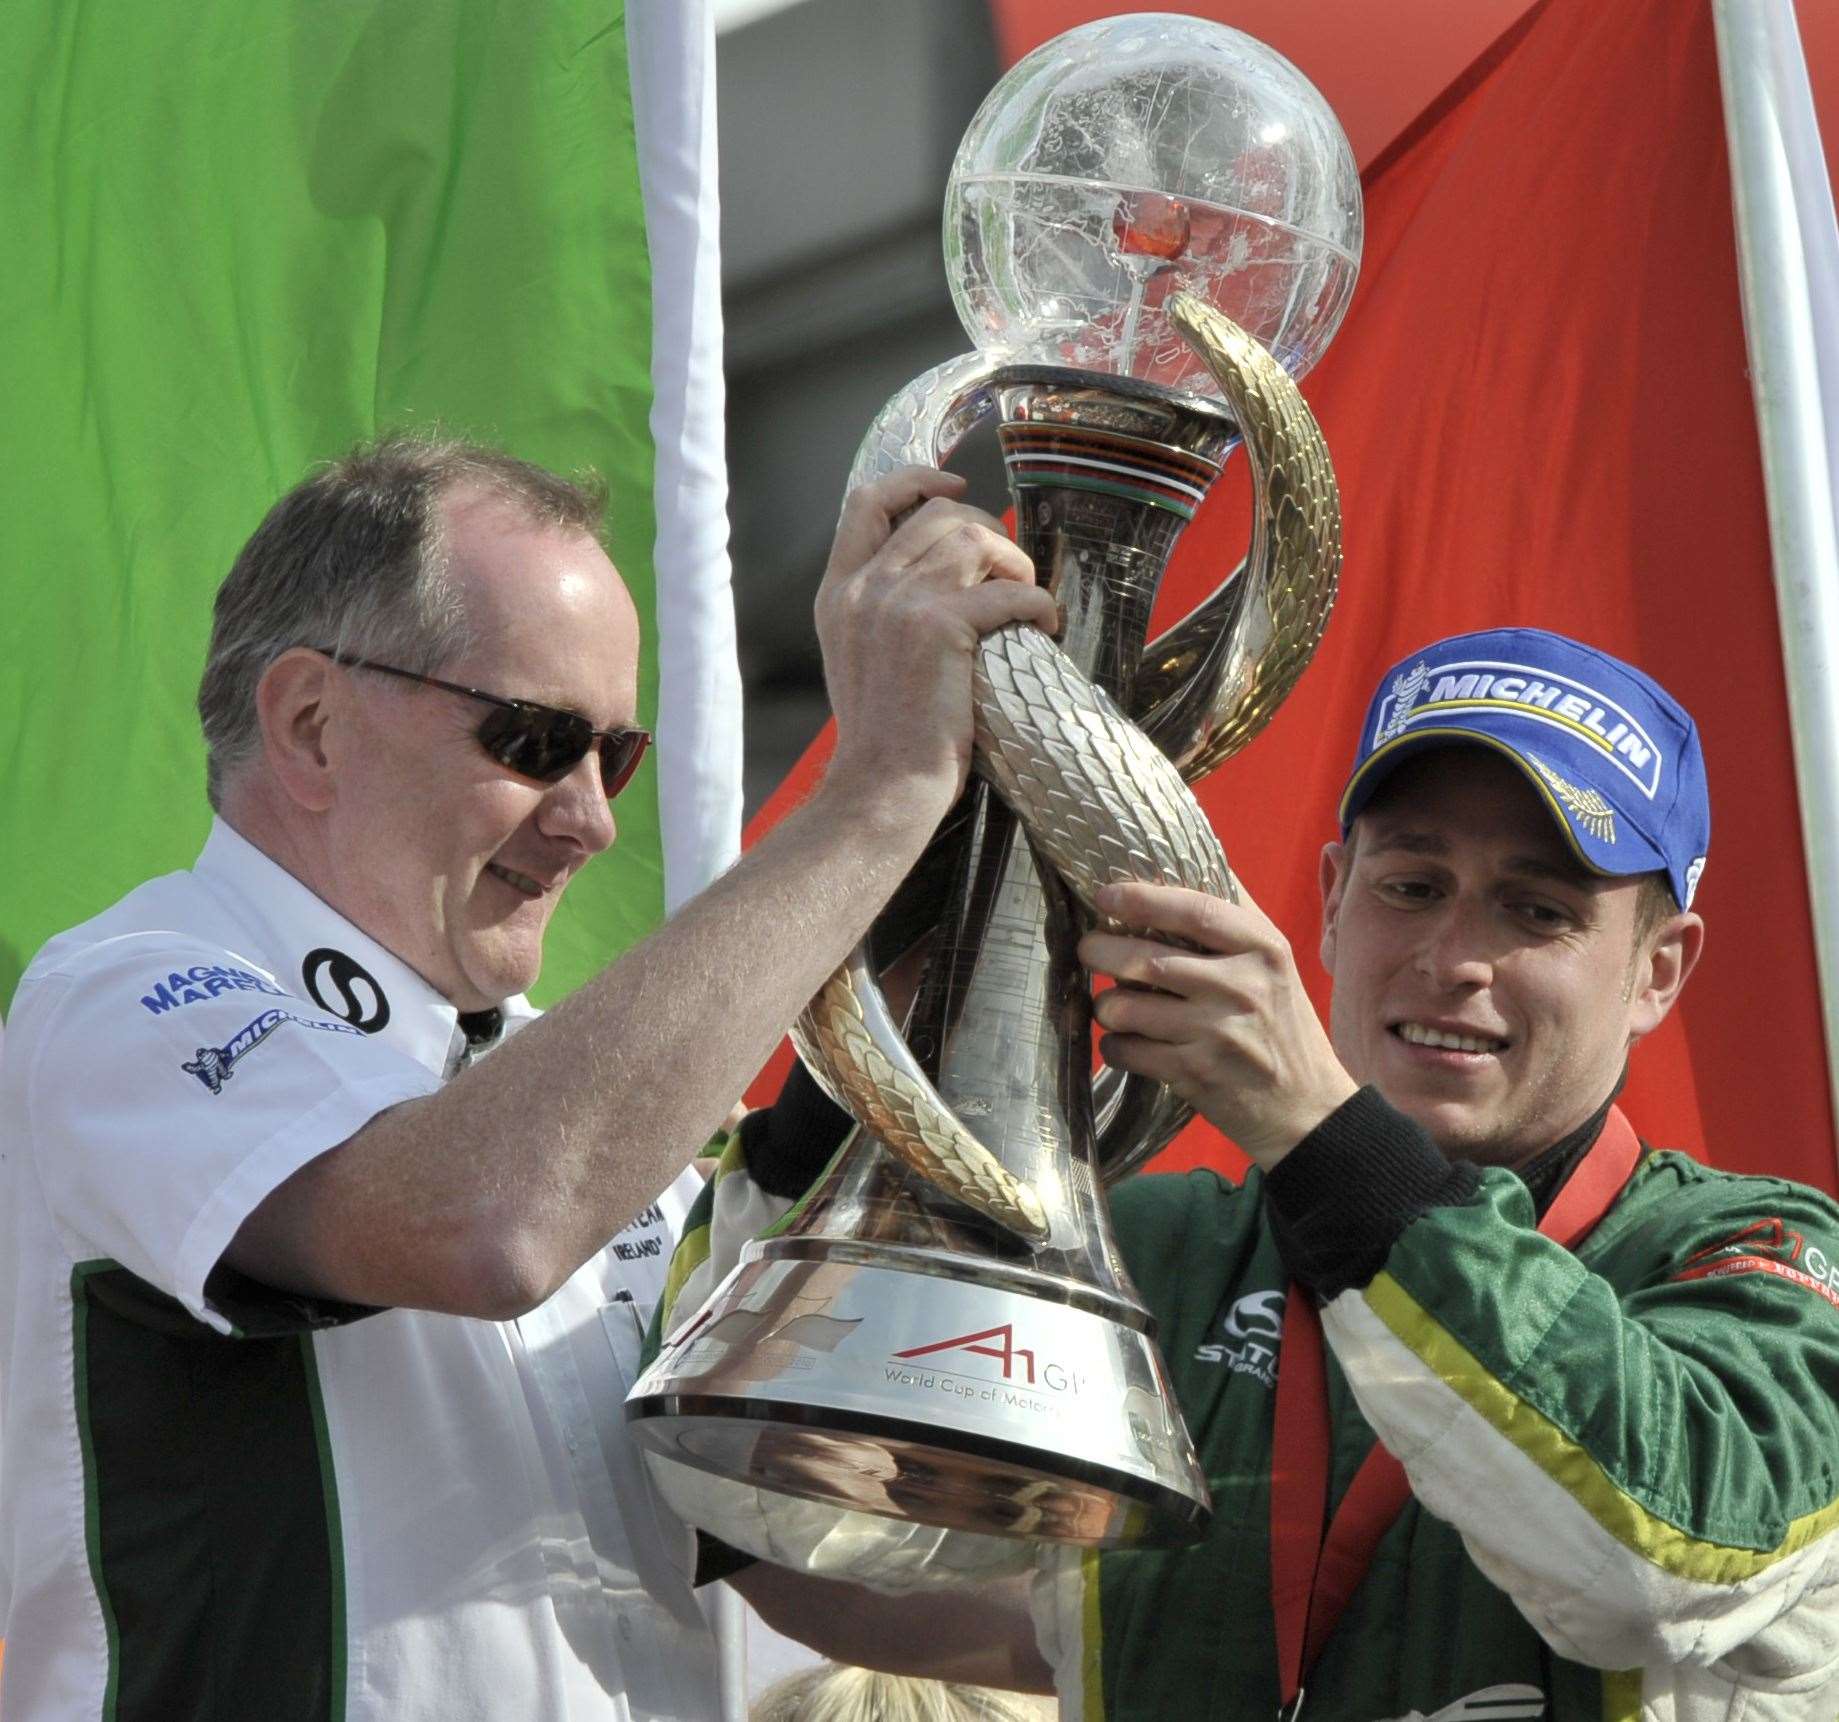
x: 1637, y: 1447
x: 170, y: 1086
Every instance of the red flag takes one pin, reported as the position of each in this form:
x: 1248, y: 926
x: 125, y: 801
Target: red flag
x: 1539, y: 412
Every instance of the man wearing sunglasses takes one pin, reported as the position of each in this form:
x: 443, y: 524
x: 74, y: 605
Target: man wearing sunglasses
x: 316, y: 1321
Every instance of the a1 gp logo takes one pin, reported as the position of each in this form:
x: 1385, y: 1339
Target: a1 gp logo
x: 998, y: 1343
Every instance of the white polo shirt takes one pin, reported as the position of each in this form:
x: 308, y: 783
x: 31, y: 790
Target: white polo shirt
x: 217, y: 1501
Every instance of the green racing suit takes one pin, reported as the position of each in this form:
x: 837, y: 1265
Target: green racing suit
x: 1624, y: 1462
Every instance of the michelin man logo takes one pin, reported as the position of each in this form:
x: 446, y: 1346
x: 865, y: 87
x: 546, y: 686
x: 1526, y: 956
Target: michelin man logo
x: 1693, y: 875
x: 215, y: 1065
x: 1405, y: 691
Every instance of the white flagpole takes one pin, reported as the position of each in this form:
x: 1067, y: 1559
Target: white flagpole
x: 671, y: 53
x: 1788, y: 263
x: 671, y: 45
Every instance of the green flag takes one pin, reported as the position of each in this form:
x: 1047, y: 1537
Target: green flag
x: 242, y: 238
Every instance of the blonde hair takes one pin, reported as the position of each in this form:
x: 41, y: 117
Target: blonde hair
x: 833, y: 1692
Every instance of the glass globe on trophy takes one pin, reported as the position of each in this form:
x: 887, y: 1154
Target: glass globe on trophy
x: 1138, y: 157
x: 937, y: 1360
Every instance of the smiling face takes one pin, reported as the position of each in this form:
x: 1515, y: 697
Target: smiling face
x: 1484, y: 981
x: 441, y: 854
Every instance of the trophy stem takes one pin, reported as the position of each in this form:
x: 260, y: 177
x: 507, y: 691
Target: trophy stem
x: 1105, y: 475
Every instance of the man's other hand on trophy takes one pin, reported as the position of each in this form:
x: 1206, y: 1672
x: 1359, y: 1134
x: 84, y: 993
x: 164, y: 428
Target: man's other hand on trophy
x: 916, y: 578
x: 1209, y: 1000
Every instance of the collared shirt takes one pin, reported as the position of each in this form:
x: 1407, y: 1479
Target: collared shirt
x: 220, y: 1501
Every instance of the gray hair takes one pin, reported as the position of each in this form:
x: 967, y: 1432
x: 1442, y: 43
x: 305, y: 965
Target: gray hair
x: 354, y: 560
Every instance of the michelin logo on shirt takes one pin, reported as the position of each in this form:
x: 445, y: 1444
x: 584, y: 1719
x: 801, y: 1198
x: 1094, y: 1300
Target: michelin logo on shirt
x: 1429, y: 694
x: 215, y: 1065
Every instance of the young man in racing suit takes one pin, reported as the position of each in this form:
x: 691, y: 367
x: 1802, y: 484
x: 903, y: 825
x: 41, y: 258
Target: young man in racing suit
x: 1504, y: 1413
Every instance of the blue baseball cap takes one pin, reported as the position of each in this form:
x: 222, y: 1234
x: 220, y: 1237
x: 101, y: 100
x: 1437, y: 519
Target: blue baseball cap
x: 1613, y: 755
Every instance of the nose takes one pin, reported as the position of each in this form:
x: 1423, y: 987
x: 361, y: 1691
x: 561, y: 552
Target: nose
x: 577, y: 808
x: 1453, y: 952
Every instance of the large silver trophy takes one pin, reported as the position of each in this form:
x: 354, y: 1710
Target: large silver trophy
x: 938, y: 1356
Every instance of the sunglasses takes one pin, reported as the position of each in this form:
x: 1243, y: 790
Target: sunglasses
x: 535, y: 741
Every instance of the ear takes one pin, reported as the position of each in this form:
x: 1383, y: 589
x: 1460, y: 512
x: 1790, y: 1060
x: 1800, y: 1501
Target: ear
x: 1336, y: 860
x: 1662, y: 971
x: 294, y: 702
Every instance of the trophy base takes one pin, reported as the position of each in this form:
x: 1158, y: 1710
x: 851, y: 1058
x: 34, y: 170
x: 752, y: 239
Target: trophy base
x: 897, y: 1394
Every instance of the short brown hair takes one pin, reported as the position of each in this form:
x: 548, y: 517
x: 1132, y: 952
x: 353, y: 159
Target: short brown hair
x: 1655, y: 905
x: 354, y: 559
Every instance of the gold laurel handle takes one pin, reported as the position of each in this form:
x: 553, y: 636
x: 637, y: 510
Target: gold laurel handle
x: 1210, y: 684
x: 856, y: 1051
x: 1216, y: 679
x: 1095, y: 795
